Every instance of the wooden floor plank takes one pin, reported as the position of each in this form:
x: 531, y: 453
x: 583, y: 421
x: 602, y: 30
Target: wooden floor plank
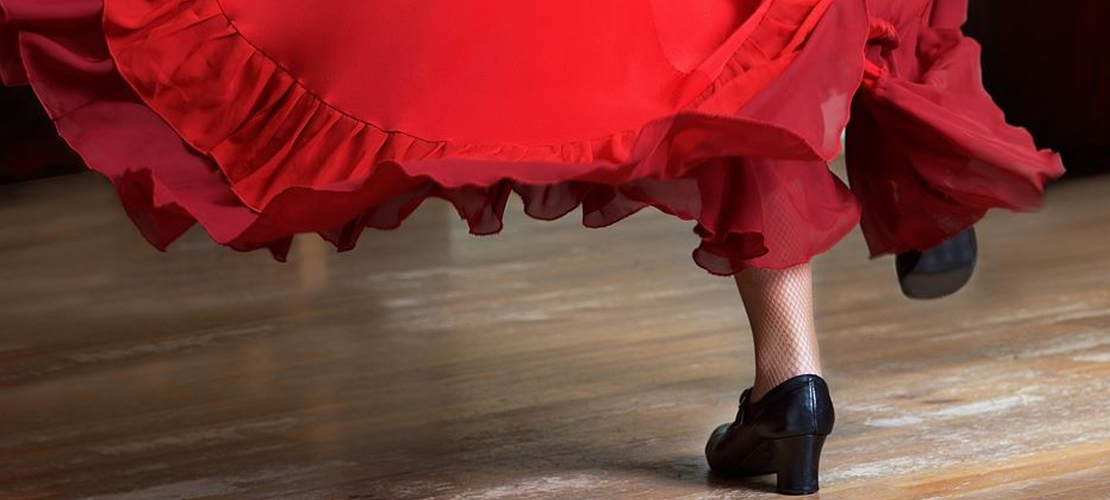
x: 547, y: 362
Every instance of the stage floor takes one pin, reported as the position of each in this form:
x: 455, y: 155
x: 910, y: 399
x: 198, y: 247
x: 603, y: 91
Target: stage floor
x: 548, y: 362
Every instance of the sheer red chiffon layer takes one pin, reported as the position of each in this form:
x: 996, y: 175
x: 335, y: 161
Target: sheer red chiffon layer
x: 928, y: 150
x: 217, y: 113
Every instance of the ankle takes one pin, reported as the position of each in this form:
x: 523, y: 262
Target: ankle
x: 766, y: 381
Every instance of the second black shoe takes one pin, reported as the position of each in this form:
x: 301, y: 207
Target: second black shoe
x: 939, y: 271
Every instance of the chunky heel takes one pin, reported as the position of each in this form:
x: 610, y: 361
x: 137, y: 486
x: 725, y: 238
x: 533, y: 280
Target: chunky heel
x: 783, y: 433
x: 797, y: 460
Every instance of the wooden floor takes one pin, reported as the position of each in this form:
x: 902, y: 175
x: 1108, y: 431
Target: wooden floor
x: 549, y: 362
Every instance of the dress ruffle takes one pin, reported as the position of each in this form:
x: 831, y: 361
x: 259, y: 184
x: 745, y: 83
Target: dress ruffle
x: 192, y: 123
x: 928, y: 150
x: 269, y: 133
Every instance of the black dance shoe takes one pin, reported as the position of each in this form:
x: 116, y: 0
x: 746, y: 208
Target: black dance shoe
x: 783, y: 433
x: 939, y: 271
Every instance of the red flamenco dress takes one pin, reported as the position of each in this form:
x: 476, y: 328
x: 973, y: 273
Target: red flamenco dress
x: 262, y: 120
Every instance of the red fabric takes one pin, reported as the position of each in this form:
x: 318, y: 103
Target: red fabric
x: 579, y: 103
x: 261, y: 122
x: 928, y: 151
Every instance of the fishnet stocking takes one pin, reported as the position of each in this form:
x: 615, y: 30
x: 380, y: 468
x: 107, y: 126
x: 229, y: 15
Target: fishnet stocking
x: 780, y: 309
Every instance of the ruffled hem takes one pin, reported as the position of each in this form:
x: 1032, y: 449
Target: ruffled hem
x: 752, y: 177
x: 750, y: 210
x: 269, y: 133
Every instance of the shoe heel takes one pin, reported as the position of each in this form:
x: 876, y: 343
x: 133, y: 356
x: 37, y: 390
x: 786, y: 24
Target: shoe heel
x: 797, y: 460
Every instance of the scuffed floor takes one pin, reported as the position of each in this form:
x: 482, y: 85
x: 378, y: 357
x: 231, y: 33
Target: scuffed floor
x: 548, y: 362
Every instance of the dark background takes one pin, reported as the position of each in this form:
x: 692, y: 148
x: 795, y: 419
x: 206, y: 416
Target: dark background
x: 29, y: 145
x: 1047, y: 63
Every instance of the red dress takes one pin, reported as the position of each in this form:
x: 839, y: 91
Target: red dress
x: 261, y: 120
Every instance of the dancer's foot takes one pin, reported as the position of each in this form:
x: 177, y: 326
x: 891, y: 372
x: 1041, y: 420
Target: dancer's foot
x: 782, y: 433
x: 939, y: 271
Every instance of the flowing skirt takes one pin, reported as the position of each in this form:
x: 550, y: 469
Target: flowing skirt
x: 260, y: 121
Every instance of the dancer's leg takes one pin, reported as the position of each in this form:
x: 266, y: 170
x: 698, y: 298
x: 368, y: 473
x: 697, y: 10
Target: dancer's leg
x: 779, y: 305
